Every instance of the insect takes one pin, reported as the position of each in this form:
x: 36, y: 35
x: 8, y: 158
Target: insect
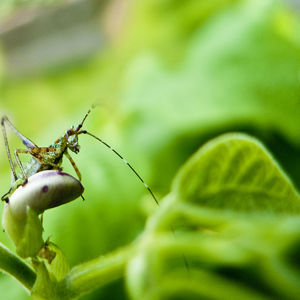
x: 50, y: 158
x: 41, y: 185
x: 44, y: 159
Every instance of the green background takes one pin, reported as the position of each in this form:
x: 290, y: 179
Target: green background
x: 178, y: 73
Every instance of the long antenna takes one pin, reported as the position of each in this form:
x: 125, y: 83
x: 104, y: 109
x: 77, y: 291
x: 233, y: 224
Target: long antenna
x: 124, y: 160
x: 86, y: 115
x: 135, y: 172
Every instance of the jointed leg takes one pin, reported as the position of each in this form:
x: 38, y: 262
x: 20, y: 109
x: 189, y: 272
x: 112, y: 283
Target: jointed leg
x: 12, y: 179
x: 7, y: 149
x: 34, y: 151
x: 27, y: 142
x: 38, y: 150
x: 44, y: 155
x: 25, y: 151
x: 74, y: 165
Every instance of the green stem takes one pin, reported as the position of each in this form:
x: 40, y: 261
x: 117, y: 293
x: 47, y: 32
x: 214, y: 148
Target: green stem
x: 97, y: 272
x: 14, y: 266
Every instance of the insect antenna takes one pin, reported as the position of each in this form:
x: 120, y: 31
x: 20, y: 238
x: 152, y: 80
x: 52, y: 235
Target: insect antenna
x: 139, y: 177
x: 84, y: 118
x: 122, y: 158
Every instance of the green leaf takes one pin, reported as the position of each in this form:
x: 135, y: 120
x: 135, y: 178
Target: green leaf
x: 216, y: 235
x: 235, y: 171
x: 241, y: 258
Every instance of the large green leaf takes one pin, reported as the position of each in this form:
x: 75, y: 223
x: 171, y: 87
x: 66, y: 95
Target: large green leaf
x: 217, y: 234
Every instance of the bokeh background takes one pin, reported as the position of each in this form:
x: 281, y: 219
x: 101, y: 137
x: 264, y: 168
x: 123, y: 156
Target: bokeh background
x: 168, y: 75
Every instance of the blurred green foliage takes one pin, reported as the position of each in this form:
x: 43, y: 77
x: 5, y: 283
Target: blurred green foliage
x: 230, y: 205
x: 182, y: 72
x: 9, y: 6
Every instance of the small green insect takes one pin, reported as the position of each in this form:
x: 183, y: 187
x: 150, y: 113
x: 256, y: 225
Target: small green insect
x: 50, y: 158
x: 42, y: 185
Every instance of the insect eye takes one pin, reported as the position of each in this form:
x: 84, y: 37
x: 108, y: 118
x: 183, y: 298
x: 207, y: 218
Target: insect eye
x: 70, y: 131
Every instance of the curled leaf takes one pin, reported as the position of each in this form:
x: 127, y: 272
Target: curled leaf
x: 216, y: 236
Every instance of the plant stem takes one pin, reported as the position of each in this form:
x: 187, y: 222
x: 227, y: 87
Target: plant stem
x: 14, y: 266
x: 97, y: 272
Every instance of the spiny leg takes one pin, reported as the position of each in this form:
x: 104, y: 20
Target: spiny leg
x: 40, y: 153
x: 36, y: 152
x: 17, y: 152
x: 7, y: 149
x: 12, y: 179
x: 73, y: 164
x: 17, y: 181
x: 27, y: 142
x: 44, y: 155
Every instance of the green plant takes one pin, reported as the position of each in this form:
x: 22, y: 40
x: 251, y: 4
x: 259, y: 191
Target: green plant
x: 229, y: 229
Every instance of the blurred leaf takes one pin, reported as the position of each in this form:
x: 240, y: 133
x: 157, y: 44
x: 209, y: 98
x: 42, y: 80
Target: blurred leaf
x: 239, y: 69
x: 192, y: 68
x: 14, y: 266
x: 224, y: 247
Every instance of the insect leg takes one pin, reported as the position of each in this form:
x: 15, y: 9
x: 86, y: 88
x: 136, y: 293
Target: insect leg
x: 7, y: 149
x: 25, y: 151
x: 27, y: 142
x: 40, y: 152
x: 74, y: 165
x: 35, y: 152
x: 45, y: 156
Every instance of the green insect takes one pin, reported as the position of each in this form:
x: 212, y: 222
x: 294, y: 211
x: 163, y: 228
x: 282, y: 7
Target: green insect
x: 42, y: 185
x: 50, y: 158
